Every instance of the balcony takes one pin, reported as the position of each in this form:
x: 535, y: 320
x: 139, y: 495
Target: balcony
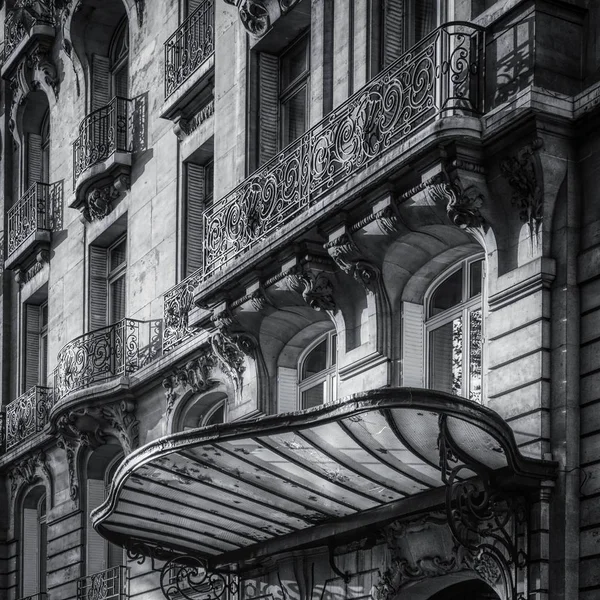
x: 105, y: 354
x: 38, y: 596
x: 189, y: 57
x: 24, y: 26
x: 31, y: 222
x: 27, y: 415
x: 102, y: 157
x: 112, y: 584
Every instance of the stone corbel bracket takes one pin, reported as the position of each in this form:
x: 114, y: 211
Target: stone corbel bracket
x: 99, y: 199
x: 314, y: 286
x: 254, y: 15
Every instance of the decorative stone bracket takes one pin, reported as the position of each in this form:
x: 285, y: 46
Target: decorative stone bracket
x: 258, y: 15
x: 99, y: 199
x: 314, y: 286
x: 27, y: 472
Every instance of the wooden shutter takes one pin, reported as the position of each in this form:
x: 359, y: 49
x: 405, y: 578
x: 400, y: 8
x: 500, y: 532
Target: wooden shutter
x: 287, y: 389
x: 193, y: 222
x: 100, y: 81
x: 268, y: 101
x: 393, y: 30
x: 96, y: 559
x: 191, y: 6
x: 32, y: 345
x: 34, y: 158
x: 30, y: 549
x: 98, y: 287
x: 412, y: 345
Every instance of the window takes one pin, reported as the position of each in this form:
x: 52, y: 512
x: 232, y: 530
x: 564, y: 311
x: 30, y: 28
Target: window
x: 36, y: 344
x: 454, y: 331
x: 318, y: 372
x: 108, y: 276
x: 294, y: 70
x: 34, y: 543
x: 119, y: 57
x: 216, y: 414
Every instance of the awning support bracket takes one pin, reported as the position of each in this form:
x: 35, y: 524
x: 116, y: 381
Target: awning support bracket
x: 345, y: 575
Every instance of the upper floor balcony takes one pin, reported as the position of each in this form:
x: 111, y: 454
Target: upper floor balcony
x: 31, y: 222
x: 111, y: 584
x: 105, y: 354
x: 27, y: 415
x: 26, y: 24
x: 189, y: 58
x: 102, y: 156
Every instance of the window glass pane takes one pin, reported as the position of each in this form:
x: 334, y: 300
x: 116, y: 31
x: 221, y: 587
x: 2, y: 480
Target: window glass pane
x: 314, y: 396
x: 294, y: 116
x: 445, y: 357
x: 424, y: 18
x: 117, y: 299
x: 294, y: 63
x: 43, y: 550
x: 118, y: 255
x: 447, y: 294
x: 217, y: 416
x: 475, y: 348
x: 43, y: 359
x: 316, y: 361
x: 333, y: 350
x: 208, y: 182
x: 475, y: 278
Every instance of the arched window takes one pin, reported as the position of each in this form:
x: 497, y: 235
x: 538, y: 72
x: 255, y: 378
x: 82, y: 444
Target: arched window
x: 34, y: 543
x: 202, y: 410
x: 215, y: 414
x: 119, y: 58
x: 317, y: 372
x: 454, y: 331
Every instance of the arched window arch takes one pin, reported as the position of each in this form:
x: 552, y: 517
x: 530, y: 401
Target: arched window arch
x: 317, y: 372
x: 119, y: 60
x: 453, y: 330
x: 202, y: 410
x: 34, y: 536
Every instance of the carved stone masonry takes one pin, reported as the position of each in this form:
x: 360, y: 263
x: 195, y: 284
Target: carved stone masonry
x: 27, y: 472
x: 316, y: 289
x: 98, y: 200
x: 193, y: 376
x: 462, y: 205
x: 524, y: 175
x: 43, y: 69
x: 230, y: 350
x: 254, y: 15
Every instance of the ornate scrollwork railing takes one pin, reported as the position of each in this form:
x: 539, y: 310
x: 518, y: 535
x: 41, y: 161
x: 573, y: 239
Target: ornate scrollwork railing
x: 38, y: 596
x: 20, y: 20
x: 189, y: 46
x: 177, y: 303
x: 111, y: 584
x: 39, y: 208
x: 27, y: 415
x: 112, y: 351
x: 439, y: 75
x: 107, y: 130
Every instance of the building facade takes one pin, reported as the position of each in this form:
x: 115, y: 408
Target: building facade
x: 300, y: 299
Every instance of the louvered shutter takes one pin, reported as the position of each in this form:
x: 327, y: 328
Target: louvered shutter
x: 95, y: 558
x: 287, y: 389
x: 98, y: 287
x: 34, y: 158
x: 100, y: 81
x: 412, y: 345
x: 192, y: 5
x: 30, y: 549
x: 393, y: 30
x: 268, y: 100
x: 32, y: 345
x: 193, y: 222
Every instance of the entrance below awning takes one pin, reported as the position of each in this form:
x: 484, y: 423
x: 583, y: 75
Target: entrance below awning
x: 226, y: 492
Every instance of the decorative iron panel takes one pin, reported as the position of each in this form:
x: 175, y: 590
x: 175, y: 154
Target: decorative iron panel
x: 177, y: 304
x: 40, y: 208
x: 111, y: 584
x: 20, y: 20
x: 440, y: 74
x: 112, y: 351
x: 38, y: 596
x: 103, y: 132
x: 27, y: 415
x: 189, y: 46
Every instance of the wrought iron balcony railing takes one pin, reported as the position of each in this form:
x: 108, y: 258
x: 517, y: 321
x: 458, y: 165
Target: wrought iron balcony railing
x: 27, y: 415
x: 111, y: 584
x: 38, y: 596
x: 20, y: 20
x: 177, y: 303
x: 38, y: 209
x: 107, y: 130
x: 105, y: 353
x: 189, y: 46
x: 439, y: 75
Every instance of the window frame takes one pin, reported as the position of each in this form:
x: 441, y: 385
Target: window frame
x: 327, y: 376
x: 43, y: 344
x: 463, y: 309
x: 112, y: 276
x: 119, y: 62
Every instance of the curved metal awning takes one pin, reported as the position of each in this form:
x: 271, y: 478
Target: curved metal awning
x: 223, y: 491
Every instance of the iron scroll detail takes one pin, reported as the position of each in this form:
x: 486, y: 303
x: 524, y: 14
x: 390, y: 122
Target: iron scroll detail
x: 487, y: 522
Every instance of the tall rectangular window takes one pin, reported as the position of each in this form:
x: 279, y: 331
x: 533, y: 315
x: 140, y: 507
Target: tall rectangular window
x: 117, y: 267
x: 35, y: 319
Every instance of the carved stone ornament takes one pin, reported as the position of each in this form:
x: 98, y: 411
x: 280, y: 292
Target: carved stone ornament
x: 348, y: 257
x: 316, y: 289
x: 43, y: 70
x: 387, y: 220
x: 462, y: 206
x: 230, y: 350
x: 71, y: 447
x: 285, y: 5
x: 98, y: 200
x: 254, y: 15
x: 523, y: 173
x: 193, y: 376
x: 26, y: 472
